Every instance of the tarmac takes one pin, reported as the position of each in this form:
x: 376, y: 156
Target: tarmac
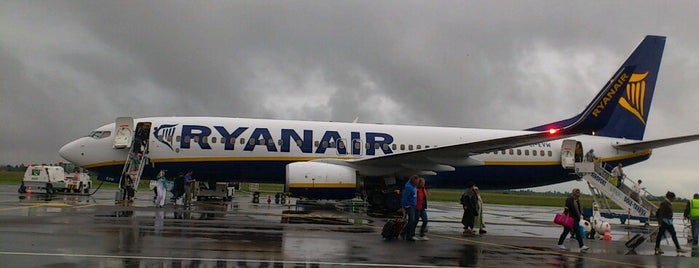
x: 93, y: 231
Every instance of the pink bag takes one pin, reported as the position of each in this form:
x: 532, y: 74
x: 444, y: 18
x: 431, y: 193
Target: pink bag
x: 565, y: 220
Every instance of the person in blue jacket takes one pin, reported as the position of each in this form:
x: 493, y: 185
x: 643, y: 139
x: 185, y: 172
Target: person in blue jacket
x: 408, y: 203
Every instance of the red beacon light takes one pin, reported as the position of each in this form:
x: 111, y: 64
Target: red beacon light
x: 553, y: 131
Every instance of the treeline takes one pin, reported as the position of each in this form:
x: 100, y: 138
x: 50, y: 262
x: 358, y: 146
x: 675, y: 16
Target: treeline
x: 20, y: 168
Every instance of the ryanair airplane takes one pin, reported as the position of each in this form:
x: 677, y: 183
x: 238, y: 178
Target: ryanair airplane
x: 334, y: 160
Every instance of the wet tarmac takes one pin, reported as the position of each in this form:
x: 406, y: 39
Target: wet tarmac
x: 91, y: 231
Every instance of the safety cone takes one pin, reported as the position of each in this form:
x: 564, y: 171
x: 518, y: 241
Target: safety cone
x: 607, y: 234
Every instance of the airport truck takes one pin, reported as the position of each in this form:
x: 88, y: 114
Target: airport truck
x: 54, y: 179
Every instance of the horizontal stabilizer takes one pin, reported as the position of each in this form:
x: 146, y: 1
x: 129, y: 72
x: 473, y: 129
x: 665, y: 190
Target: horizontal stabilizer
x: 652, y: 144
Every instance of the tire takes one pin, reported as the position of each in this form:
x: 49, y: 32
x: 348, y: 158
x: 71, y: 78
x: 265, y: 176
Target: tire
x: 80, y: 188
x: 22, y: 189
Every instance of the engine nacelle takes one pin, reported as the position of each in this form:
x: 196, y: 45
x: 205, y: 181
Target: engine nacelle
x: 316, y: 180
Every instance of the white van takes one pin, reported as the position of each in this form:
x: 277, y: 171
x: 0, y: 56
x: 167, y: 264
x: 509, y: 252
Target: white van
x: 53, y: 179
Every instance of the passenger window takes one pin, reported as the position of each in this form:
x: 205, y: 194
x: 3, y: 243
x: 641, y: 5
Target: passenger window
x: 186, y: 139
x: 325, y: 144
x: 332, y: 144
x: 419, y: 146
x: 519, y: 152
x: 367, y: 146
x: 526, y: 152
x: 410, y: 147
x: 550, y: 154
x: 402, y: 147
x: 242, y: 140
x: 204, y: 139
x: 341, y: 144
x: 280, y: 142
x: 427, y: 146
x: 385, y: 147
x: 213, y: 139
x: 534, y: 152
x: 512, y: 151
x: 270, y: 141
x: 394, y: 146
x: 299, y: 143
x: 357, y: 145
x: 196, y: 139
x: 541, y: 153
x: 316, y: 143
x: 178, y: 138
x: 169, y: 138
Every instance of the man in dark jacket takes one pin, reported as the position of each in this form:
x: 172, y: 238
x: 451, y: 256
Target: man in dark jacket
x: 665, y: 223
x: 469, y: 201
x: 574, y: 210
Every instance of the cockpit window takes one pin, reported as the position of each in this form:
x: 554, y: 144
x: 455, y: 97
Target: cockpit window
x: 99, y: 134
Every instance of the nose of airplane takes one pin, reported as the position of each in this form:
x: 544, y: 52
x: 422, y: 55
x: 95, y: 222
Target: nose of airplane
x: 72, y: 152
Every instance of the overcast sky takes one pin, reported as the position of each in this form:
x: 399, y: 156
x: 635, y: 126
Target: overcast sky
x: 67, y: 67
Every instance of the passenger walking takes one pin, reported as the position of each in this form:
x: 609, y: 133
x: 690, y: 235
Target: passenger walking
x: 408, y: 202
x: 691, y: 212
x: 618, y: 173
x: 161, y: 189
x: 590, y: 156
x: 178, y: 187
x: 421, y: 207
x: 478, y: 222
x: 666, y: 224
x: 469, y: 201
x: 636, y: 194
x: 188, y: 185
x: 574, y: 210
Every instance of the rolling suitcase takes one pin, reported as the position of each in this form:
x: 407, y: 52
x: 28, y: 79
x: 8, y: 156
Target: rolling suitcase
x: 392, y: 228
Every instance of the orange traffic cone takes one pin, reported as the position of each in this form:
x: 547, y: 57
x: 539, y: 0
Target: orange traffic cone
x: 607, y: 234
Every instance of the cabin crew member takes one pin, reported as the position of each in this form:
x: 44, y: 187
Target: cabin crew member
x: 691, y: 212
x: 665, y: 223
x: 574, y: 210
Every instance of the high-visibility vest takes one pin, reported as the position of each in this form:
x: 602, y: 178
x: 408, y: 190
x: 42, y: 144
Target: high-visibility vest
x: 694, y: 208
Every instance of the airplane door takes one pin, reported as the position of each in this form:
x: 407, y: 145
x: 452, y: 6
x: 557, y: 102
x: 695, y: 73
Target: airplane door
x: 123, y: 129
x: 569, y: 149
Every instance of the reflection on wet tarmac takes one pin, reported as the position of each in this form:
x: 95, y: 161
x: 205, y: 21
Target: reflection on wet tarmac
x: 94, y: 232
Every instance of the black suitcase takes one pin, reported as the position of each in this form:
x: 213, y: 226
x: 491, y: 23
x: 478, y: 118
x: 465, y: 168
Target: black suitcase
x: 392, y: 228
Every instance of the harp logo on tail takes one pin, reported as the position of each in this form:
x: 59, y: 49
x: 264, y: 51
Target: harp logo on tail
x: 634, y: 99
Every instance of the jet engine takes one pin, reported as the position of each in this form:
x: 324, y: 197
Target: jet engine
x: 317, y: 180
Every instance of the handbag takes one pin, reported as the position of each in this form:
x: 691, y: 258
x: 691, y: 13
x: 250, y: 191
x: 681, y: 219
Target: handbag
x: 563, y: 219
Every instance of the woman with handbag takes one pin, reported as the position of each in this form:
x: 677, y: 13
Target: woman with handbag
x: 574, y: 210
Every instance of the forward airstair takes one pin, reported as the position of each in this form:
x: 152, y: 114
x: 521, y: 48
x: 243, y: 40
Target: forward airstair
x: 600, y: 181
x: 136, y: 161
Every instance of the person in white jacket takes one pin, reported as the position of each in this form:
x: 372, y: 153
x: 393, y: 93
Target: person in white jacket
x: 161, y: 189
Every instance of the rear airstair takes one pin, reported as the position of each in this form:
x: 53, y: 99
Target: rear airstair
x: 136, y: 161
x: 599, y: 180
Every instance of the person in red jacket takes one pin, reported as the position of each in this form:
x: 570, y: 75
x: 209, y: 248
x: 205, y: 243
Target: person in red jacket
x: 421, y: 208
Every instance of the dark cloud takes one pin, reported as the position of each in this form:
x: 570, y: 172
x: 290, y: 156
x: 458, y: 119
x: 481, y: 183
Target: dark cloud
x: 67, y: 67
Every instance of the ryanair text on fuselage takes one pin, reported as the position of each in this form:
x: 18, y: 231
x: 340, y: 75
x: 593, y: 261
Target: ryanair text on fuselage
x: 262, y: 137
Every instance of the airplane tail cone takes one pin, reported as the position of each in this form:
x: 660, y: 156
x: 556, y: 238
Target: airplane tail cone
x: 607, y: 234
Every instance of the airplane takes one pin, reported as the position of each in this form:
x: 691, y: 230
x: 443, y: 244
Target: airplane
x: 336, y: 160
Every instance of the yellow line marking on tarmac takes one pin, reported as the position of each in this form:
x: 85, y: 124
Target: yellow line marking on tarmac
x: 554, y: 252
x: 50, y: 204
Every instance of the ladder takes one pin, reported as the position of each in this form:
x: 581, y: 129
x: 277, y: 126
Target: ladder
x: 602, y: 190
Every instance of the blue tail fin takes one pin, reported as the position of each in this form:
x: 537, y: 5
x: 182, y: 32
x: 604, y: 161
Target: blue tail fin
x: 629, y: 117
